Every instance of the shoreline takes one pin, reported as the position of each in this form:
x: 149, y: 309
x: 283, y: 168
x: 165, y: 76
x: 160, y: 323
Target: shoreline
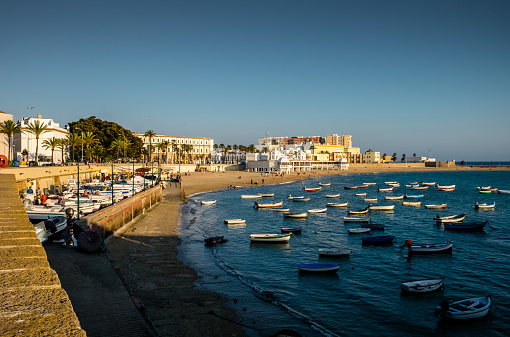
x: 147, y: 252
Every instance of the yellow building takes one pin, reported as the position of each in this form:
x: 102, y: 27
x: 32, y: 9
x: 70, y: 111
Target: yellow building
x: 323, y: 152
x: 385, y: 159
x: 372, y: 157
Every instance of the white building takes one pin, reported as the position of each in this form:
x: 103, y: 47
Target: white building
x: 27, y: 141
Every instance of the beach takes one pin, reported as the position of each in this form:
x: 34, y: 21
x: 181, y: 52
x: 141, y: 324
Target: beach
x: 146, y: 253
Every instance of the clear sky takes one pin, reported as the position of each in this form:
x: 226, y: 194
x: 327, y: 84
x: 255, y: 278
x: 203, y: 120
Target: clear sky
x: 399, y: 76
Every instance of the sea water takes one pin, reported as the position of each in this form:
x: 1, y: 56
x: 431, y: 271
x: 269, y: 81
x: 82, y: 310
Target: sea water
x: 364, y: 297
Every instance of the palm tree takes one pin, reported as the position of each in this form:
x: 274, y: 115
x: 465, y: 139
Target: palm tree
x: 126, y: 143
x: 62, y: 146
x: 89, y: 139
x: 251, y: 148
x: 190, y: 152
x: 150, y: 134
x: 265, y: 149
x: 96, y: 151
x: 174, y: 149
x: 51, y: 143
x: 117, y: 144
x: 73, y: 139
x: 161, y: 147
x: 403, y: 158
x: 164, y: 146
x: 9, y: 128
x: 394, y: 157
x: 37, y: 129
x: 414, y: 154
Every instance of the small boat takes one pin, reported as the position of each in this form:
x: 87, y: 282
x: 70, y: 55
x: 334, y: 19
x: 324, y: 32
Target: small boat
x: 483, y: 188
x: 350, y: 187
x: 324, y: 184
x: 247, y: 196
x: 372, y: 226
x: 451, y: 218
x: 267, y: 195
x: 369, y: 184
x: 212, y: 202
x: 441, y: 206
x: 428, y: 184
x: 312, y: 189
x: 334, y: 252
x: 399, y: 197
x: 432, y: 248
x: 413, y: 183
x: 445, y: 186
x: 272, y: 205
x: 280, y: 210
x: 485, y: 191
x: 359, y: 230
x: 394, y: 185
x: 291, y: 230
x: 211, y: 241
x: 411, y: 186
x: 465, y: 309
x: 466, y: 226
x: 270, y: 238
x: 301, y: 199
x: 296, y: 215
x: 318, y: 210
x: 391, y: 182
x: 234, y: 221
x: 362, y: 186
x: 382, y: 208
x: 370, y: 199
x: 334, y: 204
x: 484, y: 206
x: 377, y: 240
x: 332, y: 195
x: 410, y: 196
x: 356, y: 219
x: 446, y: 189
x: 411, y: 203
x: 361, y: 194
x: 504, y: 191
x: 419, y: 187
x: 50, y: 226
x: 292, y: 198
x: 318, y: 267
x: 422, y: 286
x: 385, y: 189
x: 362, y: 211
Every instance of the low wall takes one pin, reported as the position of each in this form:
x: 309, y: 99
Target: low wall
x: 108, y: 220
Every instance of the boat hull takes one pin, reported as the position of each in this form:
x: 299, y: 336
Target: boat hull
x: 270, y: 238
x: 422, y: 286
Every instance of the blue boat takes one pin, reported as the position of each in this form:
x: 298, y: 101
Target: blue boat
x: 466, y: 226
x: 378, y: 240
x: 318, y: 267
x: 407, y: 196
x: 372, y: 225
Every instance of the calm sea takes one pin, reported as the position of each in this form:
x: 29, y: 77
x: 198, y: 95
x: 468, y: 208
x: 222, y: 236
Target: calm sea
x: 363, y: 298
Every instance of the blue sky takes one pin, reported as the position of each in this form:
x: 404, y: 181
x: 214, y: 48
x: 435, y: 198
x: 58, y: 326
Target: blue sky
x: 399, y: 76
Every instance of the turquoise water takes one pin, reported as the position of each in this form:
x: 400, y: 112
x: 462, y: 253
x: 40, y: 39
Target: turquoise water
x: 363, y: 298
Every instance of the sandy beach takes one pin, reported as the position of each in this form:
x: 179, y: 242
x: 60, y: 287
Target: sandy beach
x: 146, y: 252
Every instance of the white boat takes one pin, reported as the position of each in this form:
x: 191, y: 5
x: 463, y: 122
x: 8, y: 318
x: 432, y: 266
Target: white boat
x: 266, y: 195
x: 504, y: 191
x: 332, y: 195
x: 359, y: 230
x: 211, y: 202
x: 37, y: 212
x: 421, y: 188
x: 296, y: 215
x: 248, y: 196
x: 435, y: 206
x: 422, y: 286
x: 234, y: 221
x: 395, y: 185
x: 324, y: 184
x: 484, y: 206
x: 271, y: 205
x: 451, y: 218
x: 391, y: 182
x: 361, y: 194
x: 301, y: 200
x: 411, y: 203
x: 382, y: 208
x: 356, y: 219
x: 292, y: 198
x: 335, y: 204
x: 385, y: 189
x: 370, y: 199
x: 334, y: 252
x: 318, y: 267
x: 359, y: 212
x: 465, y: 309
x: 318, y: 210
x: 427, y: 184
x: 445, y: 186
x: 270, y: 238
x: 280, y: 210
x: 398, y: 197
x: 369, y: 184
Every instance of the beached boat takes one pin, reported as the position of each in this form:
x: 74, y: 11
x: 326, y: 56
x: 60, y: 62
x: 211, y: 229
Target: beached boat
x: 361, y: 211
x: 428, y: 184
x: 318, y: 267
x: 370, y: 200
x: 451, y: 218
x: 350, y: 187
x: 378, y: 240
x: 440, y: 206
x: 318, y: 210
x: 332, y: 195
x: 280, y: 210
x: 271, y: 205
x: 267, y: 195
x: 212, y: 202
x: 50, y: 226
x: 296, y: 215
x: 410, y: 196
x: 301, y: 200
x: 356, y: 219
x: 359, y: 230
x: 213, y: 240
x: 484, y: 206
x: 411, y: 203
x: 372, y: 226
x: 234, y: 221
x: 382, y: 208
x: 361, y: 194
x: 465, y: 226
x: 334, y: 252
x: 291, y: 230
x: 385, y: 189
x: 335, y: 204
x: 247, y: 196
x: 422, y: 286
x: 470, y: 308
x: 312, y: 189
x: 324, y: 184
x: 398, y: 197
x: 270, y: 238
x: 432, y: 248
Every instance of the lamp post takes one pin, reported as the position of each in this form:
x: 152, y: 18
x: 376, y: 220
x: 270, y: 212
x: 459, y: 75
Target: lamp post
x: 78, y: 180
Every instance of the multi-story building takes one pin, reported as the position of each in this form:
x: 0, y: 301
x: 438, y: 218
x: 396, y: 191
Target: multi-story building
x: 199, y: 151
x: 25, y: 143
x: 272, y: 141
x: 346, y: 140
x: 333, y: 139
x: 371, y: 157
x: 303, y: 140
x: 4, y: 140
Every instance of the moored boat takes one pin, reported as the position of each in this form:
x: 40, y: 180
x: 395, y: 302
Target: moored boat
x: 385, y: 189
x: 271, y: 205
x: 419, y: 188
x: 361, y: 194
x: 466, y: 226
x: 369, y: 184
x: 416, y: 196
x: 211, y: 202
x: 234, y: 221
x: 372, y: 226
x: 422, y: 286
x: 335, y: 204
x: 295, y: 198
x: 296, y: 215
x: 370, y: 200
x: 470, y: 308
x: 359, y: 230
x: 428, y: 184
x: 291, y: 230
x: 280, y: 210
x: 334, y: 252
x: 301, y: 200
x: 361, y: 211
x: 247, y: 196
x: 270, y: 238
x: 484, y: 206
x: 350, y: 187
x: 324, y: 184
x: 267, y: 195
x: 440, y: 206
x: 411, y: 203
x: 429, y: 248
x: 451, y: 218
x: 397, y: 197
x: 332, y: 195
x: 356, y: 219
x: 382, y: 208
x: 504, y: 191
x: 312, y: 189
x: 318, y: 210
x: 318, y: 267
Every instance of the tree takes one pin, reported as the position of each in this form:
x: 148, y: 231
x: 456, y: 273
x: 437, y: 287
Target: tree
x: 164, y: 145
x: 384, y: 154
x: 394, y: 157
x: 403, y: 158
x: 37, y: 129
x: 174, y: 147
x: 51, y: 143
x: 265, y: 149
x: 62, y: 146
x: 74, y: 140
x: 150, y: 134
x: 89, y: 139
x: 117, y: 145
x: 9, y: 128
x: 414, y: 154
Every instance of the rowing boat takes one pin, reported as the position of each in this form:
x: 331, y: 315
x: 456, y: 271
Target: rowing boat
x: 270, y: 238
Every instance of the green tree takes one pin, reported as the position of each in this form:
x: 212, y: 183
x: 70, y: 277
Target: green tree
x: 414, y: 154
x: 9, y: 128
x: 394, y: 157
x: 51, y: 143
x: 89, y: 139
x: 37, y: 129
x: 62, y: 146
x: 164, y: 146
x: 150, y: 134
x: 117, y: 145
x: 403, y: 158
x: 74, y: 140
